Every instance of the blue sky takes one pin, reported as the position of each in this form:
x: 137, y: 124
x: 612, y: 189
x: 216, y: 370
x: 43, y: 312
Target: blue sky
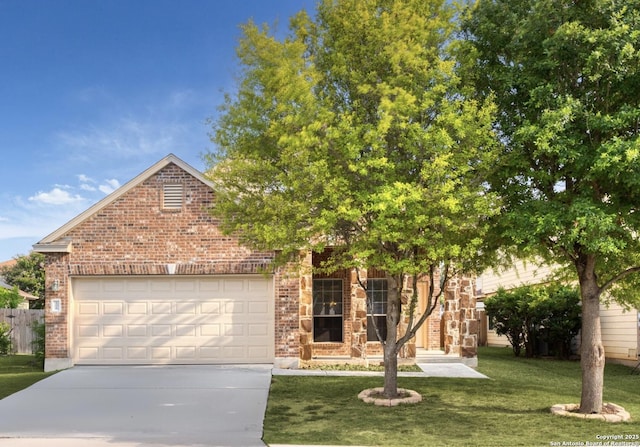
x: 93, y: 92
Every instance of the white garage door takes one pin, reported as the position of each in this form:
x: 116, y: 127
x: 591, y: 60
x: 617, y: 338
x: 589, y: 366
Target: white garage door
x: 169, y: 320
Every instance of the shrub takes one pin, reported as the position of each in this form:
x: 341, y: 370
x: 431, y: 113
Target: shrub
x: 38, y: 341
x: 531, y: 316
x: 504, y: 310
x: 5, y: 339
x: 10, y: 298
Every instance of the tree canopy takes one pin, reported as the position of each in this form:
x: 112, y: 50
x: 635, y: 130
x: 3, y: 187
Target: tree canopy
x: 10, y: 298
x: 27, y: 274
x: 356, y: 131
x: 566, y: 78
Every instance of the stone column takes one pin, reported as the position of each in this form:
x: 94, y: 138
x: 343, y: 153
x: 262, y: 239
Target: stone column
x: 358, y: 315
x: 468, y: 319
x: 460, y: 320
x: 451, y: 318
x: 306, y: 309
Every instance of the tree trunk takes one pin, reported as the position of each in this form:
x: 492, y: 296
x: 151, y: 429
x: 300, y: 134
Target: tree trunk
x: 592, y: 358
x: 391, y: 343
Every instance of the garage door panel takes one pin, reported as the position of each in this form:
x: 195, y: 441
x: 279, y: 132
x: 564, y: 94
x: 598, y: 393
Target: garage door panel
x: 210, y: 286
x: 258, y: 307
x: 89, y: 353
x: 112, y: 353
x: 173, y: 320
x: 112, y: 330
x: 137, y: 353
x: 137, y: 330
x: 162, y: 286
x: 233, y: 308
x: 113, y: 308
x: 185, y: 330
x: 186, y: 308
x: 137, y: 308
x: 210, y: 330
x: 261, y: 330
x: 186, y: 352
x: 233, y: 285
x: 89, y: 308
x: 89, y: 330
x: 160, y: 308
x: 161, y: 330
x: 210, y: 307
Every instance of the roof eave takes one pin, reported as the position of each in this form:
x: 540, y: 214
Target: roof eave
x: 59, y: 246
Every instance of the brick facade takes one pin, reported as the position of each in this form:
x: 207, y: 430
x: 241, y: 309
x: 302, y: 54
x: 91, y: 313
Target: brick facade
x: 134, y: 235
x: 130, y: 233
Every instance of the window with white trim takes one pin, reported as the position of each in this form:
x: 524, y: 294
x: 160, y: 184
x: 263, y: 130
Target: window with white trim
x: 327, y: 310
x: 377, y: 291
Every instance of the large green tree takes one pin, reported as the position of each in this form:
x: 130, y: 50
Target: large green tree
x: 27, y: 274
x: 355, y: 131
x: 566, y: 78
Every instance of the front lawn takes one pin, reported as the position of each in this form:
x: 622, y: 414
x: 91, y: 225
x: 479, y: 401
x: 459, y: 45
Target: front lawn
x: 510, y: 409
x: 18, y: 372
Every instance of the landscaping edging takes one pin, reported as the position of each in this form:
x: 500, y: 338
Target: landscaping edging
x: 610, y: 412
x: 373, y: 396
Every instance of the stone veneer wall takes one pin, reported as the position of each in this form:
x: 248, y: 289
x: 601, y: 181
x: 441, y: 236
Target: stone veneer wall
x: 460, y: 323
x: 460, y: 319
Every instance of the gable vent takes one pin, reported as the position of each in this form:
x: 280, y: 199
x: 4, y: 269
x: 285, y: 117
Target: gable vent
x: 172, y: 197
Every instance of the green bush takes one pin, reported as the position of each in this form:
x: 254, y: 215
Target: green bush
x: 5, y: 339
x: 10, y: 298
x: 533, y: 317
x: 38, y: 341
x: 505, y: 312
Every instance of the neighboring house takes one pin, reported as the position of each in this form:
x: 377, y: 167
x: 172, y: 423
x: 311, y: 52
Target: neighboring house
x: 146, y: 277
x: 620, y: 328
x: 27, y: 297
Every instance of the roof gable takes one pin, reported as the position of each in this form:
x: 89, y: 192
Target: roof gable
x: 53, y: 242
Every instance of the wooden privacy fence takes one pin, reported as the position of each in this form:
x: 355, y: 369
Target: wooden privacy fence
x: 22, y: 320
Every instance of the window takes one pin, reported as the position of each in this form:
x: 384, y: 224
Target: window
x: 376, y: 308
x: 172, y: 197
x: 327, y: 310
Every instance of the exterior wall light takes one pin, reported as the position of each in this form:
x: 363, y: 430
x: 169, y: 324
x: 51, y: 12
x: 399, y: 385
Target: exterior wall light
x: 56, y: 285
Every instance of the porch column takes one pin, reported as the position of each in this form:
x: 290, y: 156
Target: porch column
x: 306, y: 308
x: 358, y: 315
x: 460, y: 320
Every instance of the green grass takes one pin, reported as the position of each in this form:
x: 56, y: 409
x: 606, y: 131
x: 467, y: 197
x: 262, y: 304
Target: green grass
x: 18, y: 372
x: 510, y: 409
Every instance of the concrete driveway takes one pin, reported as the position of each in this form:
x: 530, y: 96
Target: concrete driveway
x: 139, y: 406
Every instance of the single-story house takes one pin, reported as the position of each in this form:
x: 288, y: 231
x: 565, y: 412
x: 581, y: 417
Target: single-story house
x: 145, y: 276
x: 620, y: 327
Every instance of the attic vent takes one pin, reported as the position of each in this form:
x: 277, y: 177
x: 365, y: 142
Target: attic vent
x: 172, y: 197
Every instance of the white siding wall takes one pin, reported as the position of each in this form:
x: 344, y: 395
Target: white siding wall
x: 619, y: 332
x: 520, y: 274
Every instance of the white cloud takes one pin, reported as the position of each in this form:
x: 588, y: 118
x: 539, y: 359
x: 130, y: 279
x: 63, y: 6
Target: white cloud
x: 126, y: 138
x: 87, y: 187
x: 56, y: 196
x: 4, y: 219
x: 133, y: 129
x: 85, y: 178
x: 109, y: 186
